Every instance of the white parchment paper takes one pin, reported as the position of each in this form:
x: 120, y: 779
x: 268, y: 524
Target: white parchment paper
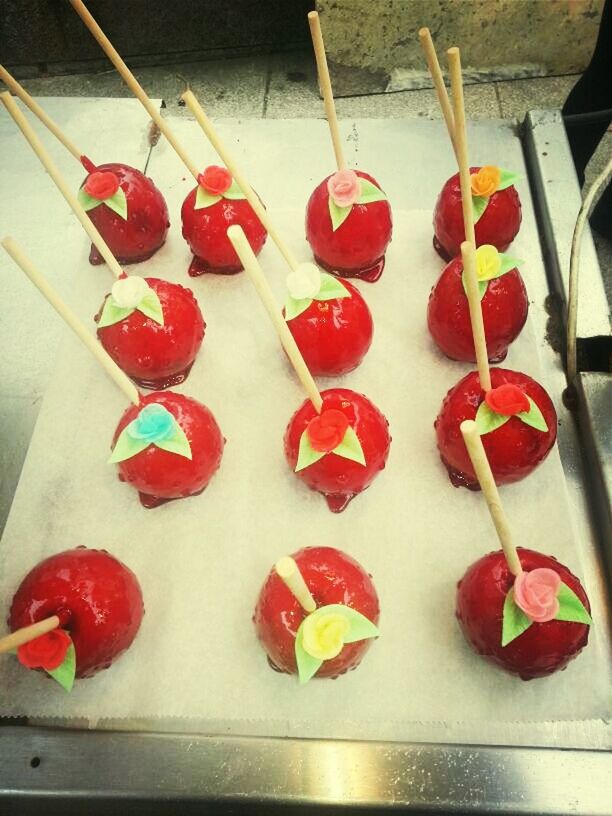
x: 202, y: 561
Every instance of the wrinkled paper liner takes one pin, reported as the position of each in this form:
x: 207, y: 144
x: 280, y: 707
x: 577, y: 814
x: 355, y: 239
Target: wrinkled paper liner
x: 201, y: 562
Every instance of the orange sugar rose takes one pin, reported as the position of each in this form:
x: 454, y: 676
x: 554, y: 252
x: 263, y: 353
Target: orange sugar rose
x: 486, y: 181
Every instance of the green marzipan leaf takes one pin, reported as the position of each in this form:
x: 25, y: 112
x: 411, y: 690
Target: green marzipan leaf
x: 151, y: 307
x: 350, y: 447
x: 295, y: 307
x: 205, y: 199
x: 118, y: 203
x: 369, y: 192
x: 176, y: 443
x: 507, y: 179
x: 338, y: 214
x: 307, y: 455
x: 482, y: 286
x: 64, y: 674
x: 234, y: 192
x: 507, y: 264
x: 571, y: 607
x: 126, y: 447
x: 111, y: 313
x: 515, y: 621
x: 86, y: 201
x: 487, y: 420
x: 479, y: 205
x: 331, y: 288
x: 533, y: 417
x: 307, y: 665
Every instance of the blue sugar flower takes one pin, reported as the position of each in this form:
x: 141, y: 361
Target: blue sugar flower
x: 153, y: 423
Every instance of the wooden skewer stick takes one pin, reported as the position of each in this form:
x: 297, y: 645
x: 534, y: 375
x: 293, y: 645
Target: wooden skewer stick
x: 289, y: 573
x: 454, y: 64
x: 468, y: 254
x: 251, y: 196
x: 28, y: 633
x: 251, y: 265
x: 130, y: 80
x: 64, y: 311
x: 27, y: 100
x: 482, y: 468
x: 36, y: 145
x: 438, y: 81
x: 326, y: 88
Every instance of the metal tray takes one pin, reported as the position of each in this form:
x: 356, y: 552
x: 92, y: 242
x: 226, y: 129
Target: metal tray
x: 71, y: 771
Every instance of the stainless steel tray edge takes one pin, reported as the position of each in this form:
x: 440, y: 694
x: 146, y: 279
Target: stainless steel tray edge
x: 157, y: 768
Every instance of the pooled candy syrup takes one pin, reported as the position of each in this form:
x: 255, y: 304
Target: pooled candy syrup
x: 370, y: 274
x: 199, y: 267
x: 164, y: 382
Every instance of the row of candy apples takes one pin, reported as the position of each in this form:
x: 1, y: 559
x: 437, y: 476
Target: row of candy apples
x: 339, y: 442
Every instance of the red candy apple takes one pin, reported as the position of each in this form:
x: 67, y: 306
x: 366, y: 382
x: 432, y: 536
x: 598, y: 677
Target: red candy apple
x: 141, y: 229
x: 97, y: 599
x: 351, y: 242
x: 330, y: 322
x: 332, y: 578
x: 504, y: 312
x: 542, y: 648
x: 168, y: 447
x: 207, y: 212
x: 517, y: 432
x: 499, y: 223
x: 155, y: 355
x: 340, y: 451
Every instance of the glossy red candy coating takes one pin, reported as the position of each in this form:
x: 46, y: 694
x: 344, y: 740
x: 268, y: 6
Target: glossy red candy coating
x: 97, y: 599
x: 334, y: 335
x: 145, y: 229
x: 514, y: 450
x: 156, y: 356
x: 357, y: 248
x: 337, y: 478
x: 542, y: 649
x: 205, y: 230
x: 504, y: 312
x: 498, y: 225
x: 159, y: 475
x: 332, y: 578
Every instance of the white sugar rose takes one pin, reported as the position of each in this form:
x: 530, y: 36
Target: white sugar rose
x: 128, y: 292
x: 304, y: 282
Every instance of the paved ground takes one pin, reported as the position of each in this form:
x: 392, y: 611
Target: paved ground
x: 284, y: 85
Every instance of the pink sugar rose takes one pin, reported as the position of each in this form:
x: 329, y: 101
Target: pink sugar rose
x: 535, y: 593
x: 344, y: 187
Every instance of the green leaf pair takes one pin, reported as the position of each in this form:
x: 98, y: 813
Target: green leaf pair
x: 117, y: 202
x: 515, y: 621
x: 488, y: 420
x: 349, y: 448
x: 331, y: 289
x: 205, y: 199
x: 480, y: 203
x: 507, y: 265
x: 360, y: 628
x: 150, y: 306
x: 369, y: 193
x: 130, y: 443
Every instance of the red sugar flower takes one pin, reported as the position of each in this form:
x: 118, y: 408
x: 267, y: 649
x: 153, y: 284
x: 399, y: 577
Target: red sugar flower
x: 326, y: 431
x: 507, y: 400
x: 45, y: 652
x: 215, y: 180
x: 101, y: 185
